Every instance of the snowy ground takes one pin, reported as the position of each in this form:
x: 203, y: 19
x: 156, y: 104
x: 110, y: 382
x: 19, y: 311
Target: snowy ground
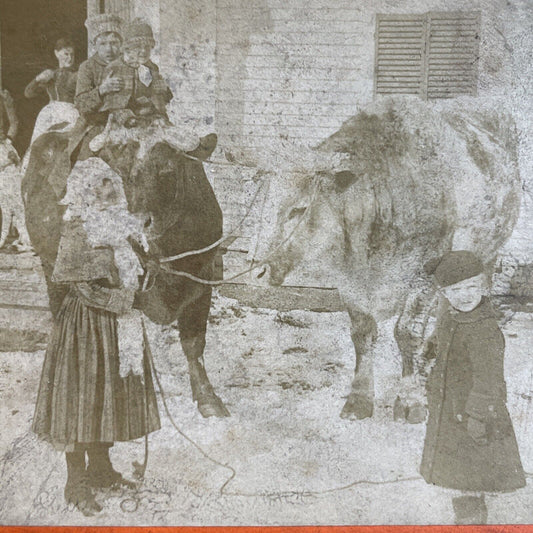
x: 283, y: 377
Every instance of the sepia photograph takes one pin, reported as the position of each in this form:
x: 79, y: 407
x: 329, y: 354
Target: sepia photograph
x: 266, y: 262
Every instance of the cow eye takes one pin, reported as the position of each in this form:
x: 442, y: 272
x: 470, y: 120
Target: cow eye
x: 296, y: 211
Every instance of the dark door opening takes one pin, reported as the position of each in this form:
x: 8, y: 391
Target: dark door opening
x: 29, y: 30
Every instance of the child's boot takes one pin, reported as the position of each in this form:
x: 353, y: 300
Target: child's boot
x: 77, y: 490
x: 100, y: 470
x: 470, y: 510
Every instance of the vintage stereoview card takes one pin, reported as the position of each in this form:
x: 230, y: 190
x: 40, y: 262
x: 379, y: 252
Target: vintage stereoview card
x: 266, y: 262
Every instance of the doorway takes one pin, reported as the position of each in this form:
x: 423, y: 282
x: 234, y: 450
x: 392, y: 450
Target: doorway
x: 29, y: 30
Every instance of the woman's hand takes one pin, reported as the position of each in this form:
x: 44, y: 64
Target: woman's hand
x: 111, y: 84
x: 45, y: 76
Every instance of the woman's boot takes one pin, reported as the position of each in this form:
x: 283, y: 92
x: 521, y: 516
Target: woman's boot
x: 100, y: 470
x: 77, y: 490
x: 470, y: 510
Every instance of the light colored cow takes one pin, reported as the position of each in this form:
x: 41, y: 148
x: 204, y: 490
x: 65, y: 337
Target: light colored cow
x: 407, y: 180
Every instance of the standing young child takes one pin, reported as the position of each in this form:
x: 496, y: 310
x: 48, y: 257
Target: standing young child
x: 470, y: 443
x: 96, y: 384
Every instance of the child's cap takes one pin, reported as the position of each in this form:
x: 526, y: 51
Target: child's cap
x: 454, y: 267
x: 104, y: 23
x: 138, y: 31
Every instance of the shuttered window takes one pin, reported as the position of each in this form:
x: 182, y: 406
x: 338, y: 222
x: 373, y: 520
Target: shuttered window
x: 433, y: 55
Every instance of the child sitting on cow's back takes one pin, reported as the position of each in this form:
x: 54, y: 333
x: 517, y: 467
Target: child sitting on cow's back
x: 144, y: 94
x: 470, y: 444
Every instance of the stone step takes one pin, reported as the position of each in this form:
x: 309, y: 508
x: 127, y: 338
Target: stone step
x: 22, y: 261
x: 23, y: 299
x: 24, y: 330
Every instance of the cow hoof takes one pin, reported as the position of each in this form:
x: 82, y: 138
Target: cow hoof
x: 412, y: 412
x: 212, y: 406
x: 357, y: 407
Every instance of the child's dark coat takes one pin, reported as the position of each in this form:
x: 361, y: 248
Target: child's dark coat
x: 468, y: 381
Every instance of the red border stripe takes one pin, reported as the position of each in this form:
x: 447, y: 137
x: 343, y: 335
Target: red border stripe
x: 282, y: 529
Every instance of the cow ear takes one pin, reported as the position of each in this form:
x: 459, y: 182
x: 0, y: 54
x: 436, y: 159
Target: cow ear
x: 343, y: 179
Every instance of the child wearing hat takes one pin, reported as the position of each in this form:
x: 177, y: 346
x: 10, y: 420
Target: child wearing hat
x: 470, y: 443
x: 144, y: 93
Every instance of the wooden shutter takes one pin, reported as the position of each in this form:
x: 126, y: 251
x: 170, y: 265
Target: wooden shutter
x: 399, y: 60
x: 433, y: 55
x: 453, y: 54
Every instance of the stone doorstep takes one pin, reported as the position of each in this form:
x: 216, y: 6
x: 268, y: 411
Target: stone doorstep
x: 24, y: 329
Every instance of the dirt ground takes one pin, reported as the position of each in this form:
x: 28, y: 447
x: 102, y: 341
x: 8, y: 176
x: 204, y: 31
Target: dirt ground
x: 283, y: 457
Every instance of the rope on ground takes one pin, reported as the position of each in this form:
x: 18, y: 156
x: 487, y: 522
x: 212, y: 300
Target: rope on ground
x: 179, y: 430
x: 233, y: 474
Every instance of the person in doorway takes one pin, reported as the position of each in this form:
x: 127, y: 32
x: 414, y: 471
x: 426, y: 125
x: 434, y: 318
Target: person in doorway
x: 10, y: 195
x: 470, y: 443
x: 60, y: 85
x: 50, y: 159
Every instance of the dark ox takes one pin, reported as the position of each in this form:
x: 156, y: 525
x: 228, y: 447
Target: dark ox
x: 173, y: 189
x: 408, y: 183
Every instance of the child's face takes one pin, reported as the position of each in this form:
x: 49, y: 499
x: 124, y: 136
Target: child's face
x: 65, y: 57
x: 107, y: 195
x: 136, y: 54
x: 108, y: 46
x: 466, y: 295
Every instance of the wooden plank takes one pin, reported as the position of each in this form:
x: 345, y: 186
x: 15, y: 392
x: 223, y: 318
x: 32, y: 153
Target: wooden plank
x: 461, y: 67
x: 21, y: 285
x: 451, y: 61
x: 399, y: 56
x: 443, y: 56
x: 393, y: 77
x: 406, y: 17
x: 275, y: 131
x: 449, y: 86
x: 403, y: 40
x: 400, y: 34
x: 399, y: 68
x: 289, y: 84
x: 286, y: 95
x: 283, y: 121
x: 25, y: 261
x: 295, y: 39
x: 302, y: 73
x: 292, y: 61
x: 399, y: 83
x: 338, y: 5
x: 403, y: 90
x: 327, y: 50
x: 400, y: 24
x: 284, y: 298
x: 293, y: 25
x: 262, y: 106
x: 400, y: 44
x: 23, y: 298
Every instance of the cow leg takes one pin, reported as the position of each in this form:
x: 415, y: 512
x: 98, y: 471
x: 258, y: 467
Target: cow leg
x: 192, y: 327
x: 360, y: 401
x: 409, y: 333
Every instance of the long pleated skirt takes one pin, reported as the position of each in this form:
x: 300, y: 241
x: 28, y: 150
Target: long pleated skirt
x: 82, y: 397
